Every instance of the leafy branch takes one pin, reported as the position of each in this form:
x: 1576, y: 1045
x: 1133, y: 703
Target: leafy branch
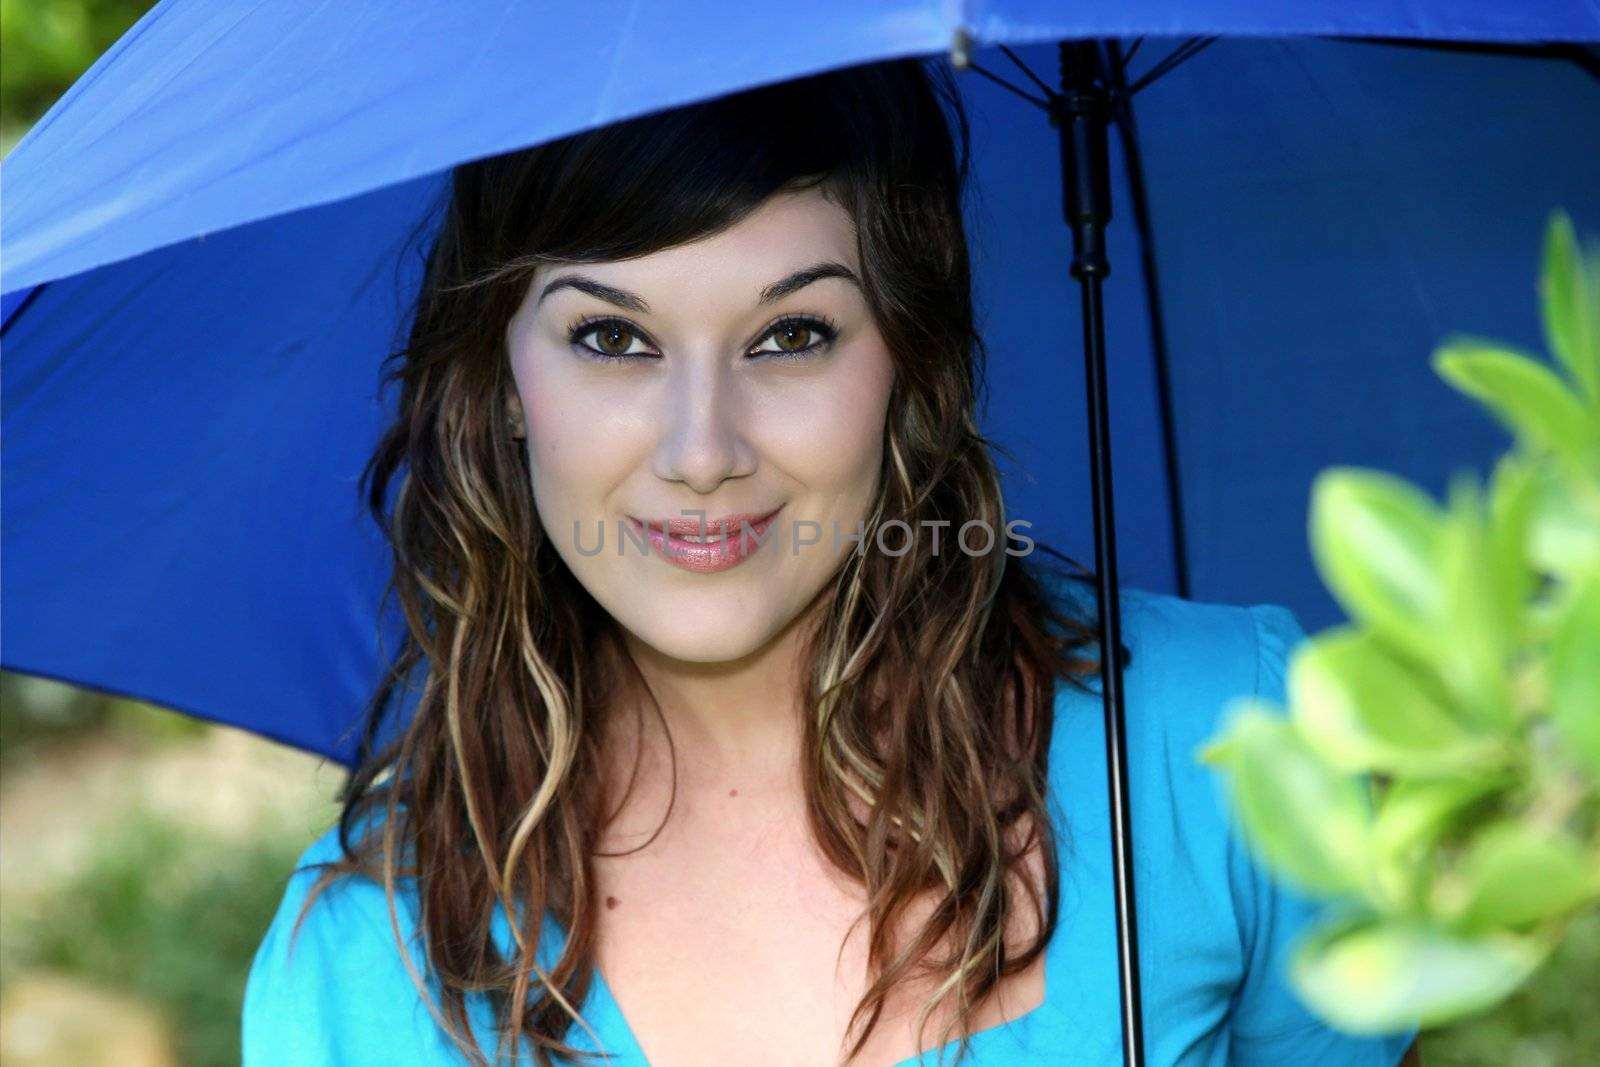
x: 1436, y: 778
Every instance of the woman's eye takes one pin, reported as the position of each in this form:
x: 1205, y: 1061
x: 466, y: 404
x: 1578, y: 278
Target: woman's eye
x: 612, y: 339
x: 795, y: 337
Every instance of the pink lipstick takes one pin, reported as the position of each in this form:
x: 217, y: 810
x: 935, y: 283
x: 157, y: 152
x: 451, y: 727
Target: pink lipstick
x: 709, y: 545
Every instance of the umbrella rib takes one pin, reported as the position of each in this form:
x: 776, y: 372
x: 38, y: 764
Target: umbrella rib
x: 1049, y: 92
x: 16, y: 312
x: 1043, y: 104
x: 1123, y: 61
x: 1185, y: 51
x: 1128, y: 132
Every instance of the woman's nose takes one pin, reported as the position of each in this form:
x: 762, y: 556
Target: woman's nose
x: 702, y: 443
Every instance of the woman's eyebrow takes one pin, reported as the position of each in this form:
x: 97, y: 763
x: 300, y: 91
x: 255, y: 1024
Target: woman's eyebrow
x: 621, y: 298
x: 804, y: 277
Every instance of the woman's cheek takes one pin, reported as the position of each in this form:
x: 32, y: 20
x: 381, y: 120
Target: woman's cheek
x: 559, y: 410
x: 841, y: 427
x: 587, y: 439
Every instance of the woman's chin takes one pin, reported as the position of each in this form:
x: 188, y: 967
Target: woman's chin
x: 705, y: 652
x: 705, y: 629
x: 711, y: 640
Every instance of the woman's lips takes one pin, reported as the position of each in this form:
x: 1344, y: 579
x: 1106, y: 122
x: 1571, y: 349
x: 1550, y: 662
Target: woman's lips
x: 736, y: 539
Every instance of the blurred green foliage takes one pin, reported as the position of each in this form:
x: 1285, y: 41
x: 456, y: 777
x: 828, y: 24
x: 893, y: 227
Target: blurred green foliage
x: 46, y: 44
x: 1437, y: 777
x: 1550, y: 1022
x: 169, y: 914
x: 36, y: 713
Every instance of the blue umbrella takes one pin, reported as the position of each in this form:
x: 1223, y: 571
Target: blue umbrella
x: 209, y: 243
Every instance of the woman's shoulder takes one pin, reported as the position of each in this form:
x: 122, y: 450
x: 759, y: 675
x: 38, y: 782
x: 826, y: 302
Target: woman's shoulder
x: 1187, y: 663
x: 1190, y: 659
x: 342, y: 976
x: 329, y: 983
x: 1185, y: 660
x: 318, y: 895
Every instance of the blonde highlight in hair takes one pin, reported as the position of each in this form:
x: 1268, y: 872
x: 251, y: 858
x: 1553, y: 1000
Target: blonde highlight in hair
x: 928, y: 682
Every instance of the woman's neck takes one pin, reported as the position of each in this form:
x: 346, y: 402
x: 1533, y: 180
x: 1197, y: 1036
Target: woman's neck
x: 739, y: 719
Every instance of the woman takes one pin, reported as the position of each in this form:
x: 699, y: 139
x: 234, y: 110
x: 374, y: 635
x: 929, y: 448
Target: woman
x: 741, y: 741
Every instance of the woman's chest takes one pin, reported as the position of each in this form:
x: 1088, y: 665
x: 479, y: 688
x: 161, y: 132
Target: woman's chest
x: 731, y: 946
x: 740, y: 943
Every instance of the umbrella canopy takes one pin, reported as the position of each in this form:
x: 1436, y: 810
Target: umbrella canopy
x: 210, y: 242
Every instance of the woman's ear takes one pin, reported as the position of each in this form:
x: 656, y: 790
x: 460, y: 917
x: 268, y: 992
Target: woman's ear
x: 514, y: 419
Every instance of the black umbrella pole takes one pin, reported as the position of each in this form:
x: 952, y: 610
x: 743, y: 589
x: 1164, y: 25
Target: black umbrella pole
x: 1082, y: 113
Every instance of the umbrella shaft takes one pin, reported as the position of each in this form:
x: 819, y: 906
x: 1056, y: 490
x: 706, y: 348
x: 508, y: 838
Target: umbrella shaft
x: 1081, y: 113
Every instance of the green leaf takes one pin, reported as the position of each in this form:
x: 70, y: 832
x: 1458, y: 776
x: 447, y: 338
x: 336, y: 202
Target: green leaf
x: 1381, y: 977
x: 1375, y: 540
x: 1307, y: 821
x: 1475, y: 652
x: 1368, y: 710
x: 1570, y: 313
x: 1514, y: 875
x: 1574, y: 675
x: 1414, y: 814
x: 1525, y: 395
x: 1415, y: 810
x: 1511, y: 500
x: 1564, y: 530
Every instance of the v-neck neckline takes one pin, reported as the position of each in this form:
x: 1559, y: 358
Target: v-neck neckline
x: 1023, y: 1026
x: 1027, y: 1022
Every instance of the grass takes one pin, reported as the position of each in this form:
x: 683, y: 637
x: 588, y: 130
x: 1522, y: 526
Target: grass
x: 38, y: 715
x: 1551, y: 1022
x: 169, y: 916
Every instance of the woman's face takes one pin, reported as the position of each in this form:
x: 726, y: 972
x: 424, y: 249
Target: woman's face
x: 738, y: 377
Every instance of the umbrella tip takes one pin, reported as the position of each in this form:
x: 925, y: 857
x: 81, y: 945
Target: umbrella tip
x: 960, y: 48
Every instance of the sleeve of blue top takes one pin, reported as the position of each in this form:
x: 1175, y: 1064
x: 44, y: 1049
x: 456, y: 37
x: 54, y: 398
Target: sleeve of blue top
x: 1269, y: 1024
x: 335, y: 992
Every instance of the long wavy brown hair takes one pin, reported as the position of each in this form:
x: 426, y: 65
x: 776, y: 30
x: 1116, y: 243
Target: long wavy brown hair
x: 929, y: 679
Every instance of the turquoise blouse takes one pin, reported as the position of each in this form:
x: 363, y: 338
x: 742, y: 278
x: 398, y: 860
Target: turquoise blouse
x: 1214, y: 931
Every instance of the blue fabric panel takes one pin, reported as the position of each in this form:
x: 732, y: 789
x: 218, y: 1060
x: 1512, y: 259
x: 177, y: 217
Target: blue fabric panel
x: 223, y: 261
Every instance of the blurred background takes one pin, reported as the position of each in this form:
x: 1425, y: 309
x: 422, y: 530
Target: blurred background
x: 142, y: 853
